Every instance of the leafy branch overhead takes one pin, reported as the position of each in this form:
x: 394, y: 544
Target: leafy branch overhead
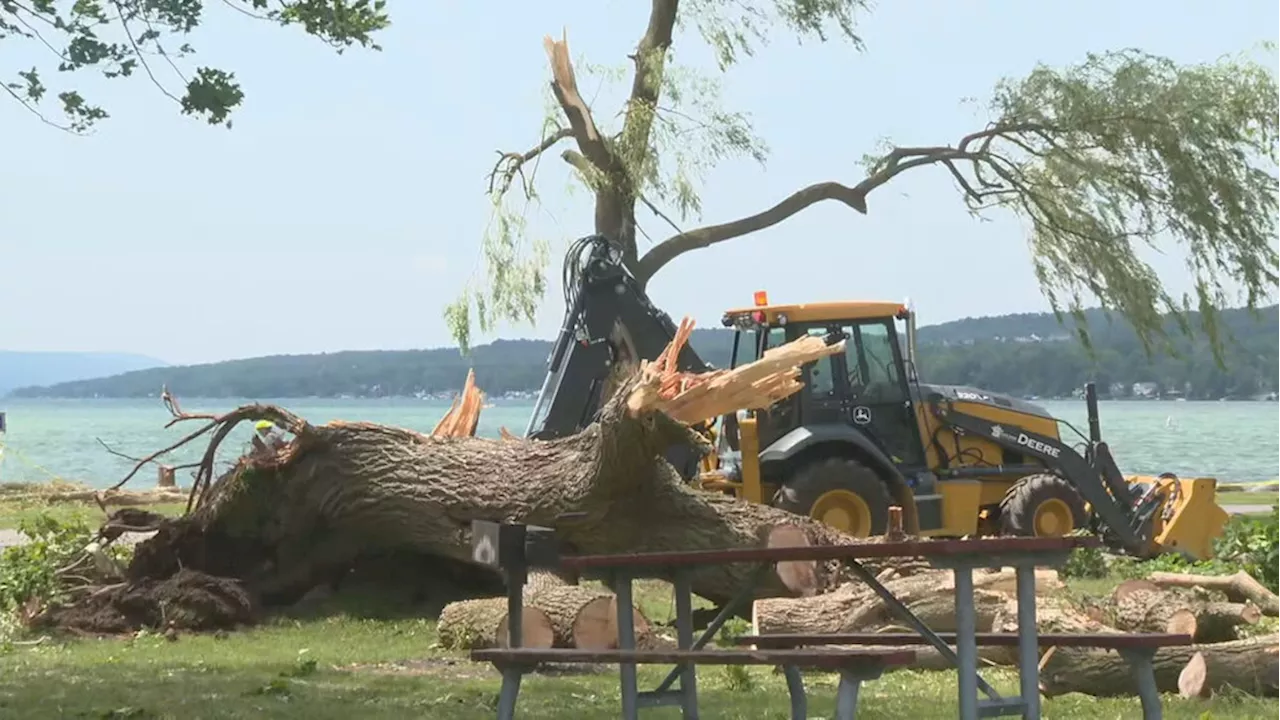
x: 1123, y: 154
x: 123, y: 38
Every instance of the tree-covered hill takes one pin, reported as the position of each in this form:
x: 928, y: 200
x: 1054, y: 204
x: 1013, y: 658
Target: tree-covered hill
x: 1025, y: 354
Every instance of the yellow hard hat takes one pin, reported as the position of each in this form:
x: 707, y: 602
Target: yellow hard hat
x: 263, y: 425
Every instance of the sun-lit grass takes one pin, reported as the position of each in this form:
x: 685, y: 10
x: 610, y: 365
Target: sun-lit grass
x: 344, y: 666
x: 14, y: 512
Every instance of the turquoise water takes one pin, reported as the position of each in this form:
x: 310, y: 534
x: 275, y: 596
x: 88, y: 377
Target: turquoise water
x: 1233, y: 441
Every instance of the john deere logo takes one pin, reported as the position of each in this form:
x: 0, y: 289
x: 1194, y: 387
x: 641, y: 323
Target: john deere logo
x: 862, y: 415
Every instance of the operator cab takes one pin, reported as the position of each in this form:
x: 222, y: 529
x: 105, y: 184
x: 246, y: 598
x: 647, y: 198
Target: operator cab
x: 868, y: 386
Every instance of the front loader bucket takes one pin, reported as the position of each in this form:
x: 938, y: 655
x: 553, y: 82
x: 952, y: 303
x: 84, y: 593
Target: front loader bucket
x: 1190, y: 519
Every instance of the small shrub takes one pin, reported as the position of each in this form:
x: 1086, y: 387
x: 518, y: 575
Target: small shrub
x: 35, y: 574
x: 1085, y: 563
x: 737, y: 678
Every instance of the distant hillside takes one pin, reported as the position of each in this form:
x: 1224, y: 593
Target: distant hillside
x: 1027, y: 354
x: 22, y: 369
x: 1030, y: 354
x: 501, y: 367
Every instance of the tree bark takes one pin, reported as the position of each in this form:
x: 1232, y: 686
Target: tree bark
x: 583, y: 618
x: 343, y: 491
x: 1182, y: 611
x: 482, y: 623
x: 1247, y: 665
x: 1240, y: 587
x: 853, y: 607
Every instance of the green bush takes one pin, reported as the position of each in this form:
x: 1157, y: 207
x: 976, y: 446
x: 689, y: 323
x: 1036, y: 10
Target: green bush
x: 1249, y: 542
x: 41, y: 571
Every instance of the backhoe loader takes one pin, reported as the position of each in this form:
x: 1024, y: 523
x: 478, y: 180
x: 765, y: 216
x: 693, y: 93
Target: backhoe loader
x: 865, y: 433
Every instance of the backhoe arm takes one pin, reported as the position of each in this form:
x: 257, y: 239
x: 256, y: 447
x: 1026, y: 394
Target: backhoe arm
x: 602, y: 302
x: 1114, y: 506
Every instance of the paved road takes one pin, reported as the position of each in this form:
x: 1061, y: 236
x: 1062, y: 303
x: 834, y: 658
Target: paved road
x: 13, y: 537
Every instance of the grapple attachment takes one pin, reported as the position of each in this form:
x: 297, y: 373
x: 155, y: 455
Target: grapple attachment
x: 1188, y: 517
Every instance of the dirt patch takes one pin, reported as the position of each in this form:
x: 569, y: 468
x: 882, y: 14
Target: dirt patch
x: 186, y: 600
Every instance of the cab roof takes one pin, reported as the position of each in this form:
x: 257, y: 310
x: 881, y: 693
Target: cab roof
x: 824, y: 311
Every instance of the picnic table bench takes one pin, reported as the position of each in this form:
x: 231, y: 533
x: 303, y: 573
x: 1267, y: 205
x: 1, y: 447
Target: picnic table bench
x: 517, y: 548
x: 1138, y: 649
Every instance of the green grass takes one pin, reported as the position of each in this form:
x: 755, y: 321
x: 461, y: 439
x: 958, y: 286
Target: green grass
x: 346, y: 667
x: 13, y: 513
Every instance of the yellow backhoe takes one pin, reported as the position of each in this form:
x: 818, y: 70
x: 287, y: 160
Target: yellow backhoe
x: 865, y: 433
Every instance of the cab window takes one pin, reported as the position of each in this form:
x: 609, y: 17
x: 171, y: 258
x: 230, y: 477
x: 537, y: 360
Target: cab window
x: 821, y: 373
x: 872, y: 365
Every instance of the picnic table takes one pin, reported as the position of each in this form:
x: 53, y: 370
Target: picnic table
x: 535, y: 547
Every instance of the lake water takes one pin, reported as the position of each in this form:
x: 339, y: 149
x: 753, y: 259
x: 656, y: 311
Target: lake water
x: 1233, y: 441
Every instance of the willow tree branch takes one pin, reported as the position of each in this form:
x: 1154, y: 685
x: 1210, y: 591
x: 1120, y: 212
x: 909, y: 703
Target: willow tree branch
x: 896, y: 162
x: 510, y: 165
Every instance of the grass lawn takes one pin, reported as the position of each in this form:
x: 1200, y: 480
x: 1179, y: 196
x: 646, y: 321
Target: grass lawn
x: 12, y: 513
x: 344, y: 666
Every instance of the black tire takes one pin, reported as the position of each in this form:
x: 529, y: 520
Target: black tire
x: 1019, y: 506
x: 802, y: 490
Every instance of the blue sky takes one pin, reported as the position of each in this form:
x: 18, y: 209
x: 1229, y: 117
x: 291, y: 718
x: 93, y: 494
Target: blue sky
x: 344, y: 209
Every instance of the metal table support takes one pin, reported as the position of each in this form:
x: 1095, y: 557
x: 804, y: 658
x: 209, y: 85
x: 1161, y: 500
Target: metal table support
x: 1027, y: 703
x: 1144, y: 674
x: 686, y: 696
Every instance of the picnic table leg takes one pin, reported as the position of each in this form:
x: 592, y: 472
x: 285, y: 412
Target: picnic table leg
x: 904, y: 613
x: 1028, y: 643
x: 966, y: 642
x: 511, y: 676
x: 621, y: 580
x: 851, y: 680
x: 684, y: 639
x: 1144, y: 674
x: 745, y: 593
x: 795, y: 689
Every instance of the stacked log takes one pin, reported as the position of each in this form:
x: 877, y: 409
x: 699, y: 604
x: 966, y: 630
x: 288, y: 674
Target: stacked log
x: 1212, y: 610
x: 565, y: 615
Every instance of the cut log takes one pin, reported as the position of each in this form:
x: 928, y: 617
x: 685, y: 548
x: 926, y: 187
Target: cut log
x: 1240, y: 587
x: 853, y: 607
x: 799, y: 576
x: 583, y: 618
x: 1122, y: 590
x: 1249, y: 666
x: 482, y: 623
x: 1182, y: 612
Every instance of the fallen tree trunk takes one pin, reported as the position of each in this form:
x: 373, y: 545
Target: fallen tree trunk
x: 285, y: 522
x: 482, y: 623
x: 1249, y: 665
x: 1240, y: 587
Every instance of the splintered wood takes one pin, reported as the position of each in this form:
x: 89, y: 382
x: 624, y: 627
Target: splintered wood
x: 695, y: 397
x: 464, y: 414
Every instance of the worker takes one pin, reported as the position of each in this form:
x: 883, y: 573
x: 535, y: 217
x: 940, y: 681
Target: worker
x: 267, y: 438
